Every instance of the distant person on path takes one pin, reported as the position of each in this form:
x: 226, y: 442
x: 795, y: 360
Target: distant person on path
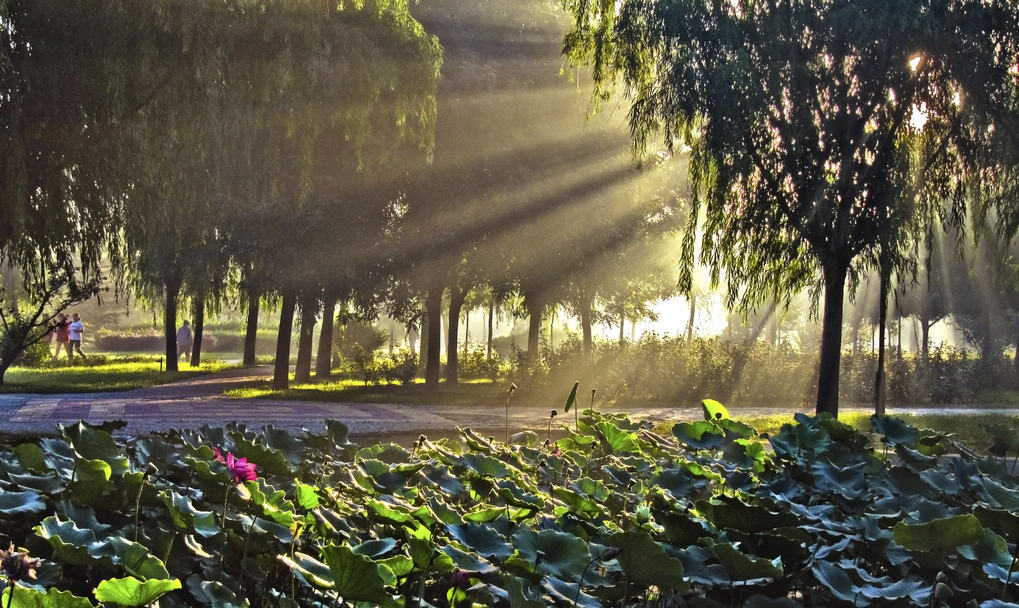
x: 77, y: 329
x: 62, y: 334
x: 184, y: 340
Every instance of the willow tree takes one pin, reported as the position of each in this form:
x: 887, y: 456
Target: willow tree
x: 796, y: 113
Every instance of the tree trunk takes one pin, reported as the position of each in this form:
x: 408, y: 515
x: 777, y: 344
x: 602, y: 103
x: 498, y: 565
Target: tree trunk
x: 251, y: 328
x: 534, y: 310
x: 551, y: 331
x: 423, y: 340
x: 199, y: 330
x: 302, y: 371
x: 324, y: 356
x: 433, y: 306
x: 491, y: 323
x: 1015, y: 360
x: 456, y: 301
x: 879, y: 377
x: 831, y: 340
x: 467, y: 331
x: 586, y: 314
x: 693, y: 313
x: 925, y: 339
x: 281, y: 371
x: 622, y: 325
x: 170, y: 326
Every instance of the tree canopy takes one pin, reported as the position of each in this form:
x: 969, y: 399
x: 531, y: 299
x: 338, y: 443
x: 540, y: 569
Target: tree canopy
x: 802, y: 118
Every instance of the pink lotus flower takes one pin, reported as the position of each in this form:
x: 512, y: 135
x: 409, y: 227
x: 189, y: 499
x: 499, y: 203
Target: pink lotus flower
x: 240, y: 469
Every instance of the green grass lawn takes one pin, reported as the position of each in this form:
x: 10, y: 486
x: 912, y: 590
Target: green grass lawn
x: 476, y: 392
x: 964, y: 428
x: 111, y: 375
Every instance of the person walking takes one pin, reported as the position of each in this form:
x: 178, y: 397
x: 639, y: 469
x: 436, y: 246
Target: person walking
x: 62, y: 336
x: 77, y: 330
x: 184, y: 340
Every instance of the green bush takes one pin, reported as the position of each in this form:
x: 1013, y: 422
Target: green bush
x: 476, y: 364
x: 36, y: 355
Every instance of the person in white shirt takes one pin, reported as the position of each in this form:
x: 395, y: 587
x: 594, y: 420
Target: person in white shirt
x: 76, y: 329
x: 184, y: 340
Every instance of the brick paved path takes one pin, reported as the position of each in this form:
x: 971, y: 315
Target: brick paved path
x: 198, y: 401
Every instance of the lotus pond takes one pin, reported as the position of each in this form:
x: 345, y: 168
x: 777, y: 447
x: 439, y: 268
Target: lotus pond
x: 613, y: 514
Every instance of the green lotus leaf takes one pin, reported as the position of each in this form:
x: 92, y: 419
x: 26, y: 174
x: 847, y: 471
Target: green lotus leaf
x: 443, y: 513
x: 714, y: 410
x: 375, y: 548
x: 572, y: 399
x: 188, y: 518
x: 392, y: 513
x: 743, y: 568
x: 469, y: 561
x: 734, y: 429
x: 840, y: 432
x: 356, y: 577
x: 308, y: 569
x: 564, y: 593
x: 74, y: 545
x: 580, y: 504
x: 213, y: 593
x: 20, y: 503
x: 91, y: 480
x: 307, y: 496
x: 423, y: 551
x: 645, y: 562
x: 482, y: 538
x: 1001, y: 573
x: 194, y: 547
x: 93, y: 443
x: 32, y: 457
x: 450, y: 484
x: 284, y: 441
x: 680, y: 529
x: 26, y: 597
x: 594, y: 488
x: 699, y: 435
x: 136, y: 559
x: 895, y: 430
x: 745, y: 453
x: 1005, y: 522
x: 838, y: 583
x: 133, y: 592
x: 941, y: 536
x: 519, y: 593
x: 616, y: 439
x: 485, y: 465
x: 273, y: 502
x: 259, y: 525
x: 806, y: 436
x: 485, y: 514
x: 399, y: 565
x: 849, y: 481
x: 267, y: 459
x: 733, y: 514
x: 998, y: 604
x: 512, y: 494
x: 552, y: 552
x: 47, y: 484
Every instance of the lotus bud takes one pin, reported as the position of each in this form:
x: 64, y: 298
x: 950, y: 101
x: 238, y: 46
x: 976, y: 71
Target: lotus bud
x: 554, y: 413
x: 460, y: 579
x: 17, y: 565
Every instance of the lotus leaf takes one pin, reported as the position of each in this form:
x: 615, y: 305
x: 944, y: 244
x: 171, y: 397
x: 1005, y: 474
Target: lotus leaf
x: 745, y: 569
x: 713, y: 410
x: 33, y: 598
x: 17, y: 503
x: 482, y: 538
x: 616, y: 439
x: 895, y: 431
x: 554, y: 553
x: 32, y: 457
x: 47, y: 484
x: 645, y: 562
x: 699, y: 435
x: 572, y: 399
x: 133, y: 592
x: 939, y: 536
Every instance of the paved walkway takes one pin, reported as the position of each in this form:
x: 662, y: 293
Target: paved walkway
x: 197, y: 401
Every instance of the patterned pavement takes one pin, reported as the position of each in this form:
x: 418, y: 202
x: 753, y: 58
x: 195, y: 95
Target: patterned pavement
x: 197, y: 401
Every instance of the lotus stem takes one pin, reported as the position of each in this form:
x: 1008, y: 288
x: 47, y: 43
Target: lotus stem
x: 1011, y: 568
x: 138, y: 507
x: 580, y: 583
x: 10, y: 596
